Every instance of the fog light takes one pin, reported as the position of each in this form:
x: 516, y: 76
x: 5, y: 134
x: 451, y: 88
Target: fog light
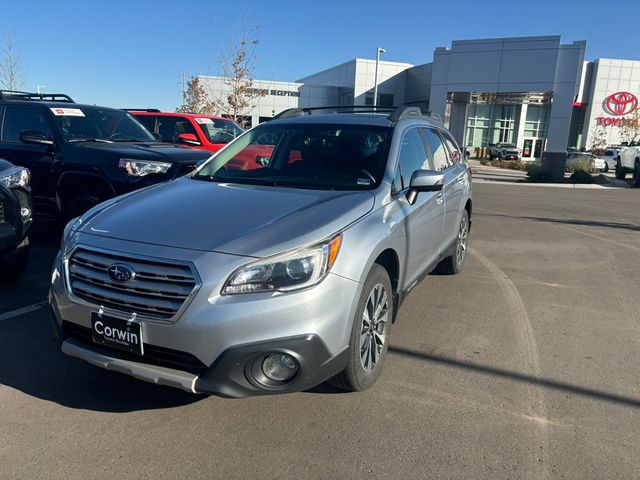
x: 25, y: 212
x: 279, y: 367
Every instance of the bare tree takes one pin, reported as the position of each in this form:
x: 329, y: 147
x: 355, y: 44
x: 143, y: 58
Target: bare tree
x: 597, y: 139
x: 11, y: 71
x: 630, y: 127
x: 196, y: 100
x: 237, y: 64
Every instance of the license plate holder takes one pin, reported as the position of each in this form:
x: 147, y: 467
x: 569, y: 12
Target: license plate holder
x: 124, y: 335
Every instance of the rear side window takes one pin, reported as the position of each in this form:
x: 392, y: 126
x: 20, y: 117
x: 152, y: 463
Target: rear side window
x: 18, y: 119
x: 609, y: 153
x: 438, y: 150
x: 412, y: 157
x: 454, y: 153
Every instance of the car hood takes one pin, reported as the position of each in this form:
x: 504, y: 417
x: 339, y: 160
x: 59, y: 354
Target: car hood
x: 161, y: 152
x: 246, y: 220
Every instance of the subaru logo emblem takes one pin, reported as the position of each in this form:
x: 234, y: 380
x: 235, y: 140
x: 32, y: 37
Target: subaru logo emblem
x: 119, y: 272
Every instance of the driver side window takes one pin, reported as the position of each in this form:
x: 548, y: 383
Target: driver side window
x: 412, y: 157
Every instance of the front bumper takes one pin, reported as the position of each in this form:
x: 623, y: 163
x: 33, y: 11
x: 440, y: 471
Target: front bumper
x: 13, y: 226
x: 211, y: 346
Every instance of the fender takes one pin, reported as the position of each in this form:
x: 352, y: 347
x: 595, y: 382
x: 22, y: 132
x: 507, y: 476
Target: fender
x: 74, y: 176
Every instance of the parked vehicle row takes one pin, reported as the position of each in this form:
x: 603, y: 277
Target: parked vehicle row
x: 80, y: 155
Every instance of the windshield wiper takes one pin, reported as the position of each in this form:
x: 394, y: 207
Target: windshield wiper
x: 83, y: 140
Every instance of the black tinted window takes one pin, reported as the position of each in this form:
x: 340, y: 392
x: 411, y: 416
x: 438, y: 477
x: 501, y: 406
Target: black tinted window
x: 148, y: 121
x: 18, y: 119
x: 437, y: 148
x: 412, y: 156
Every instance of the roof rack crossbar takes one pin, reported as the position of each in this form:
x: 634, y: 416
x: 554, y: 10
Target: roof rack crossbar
x: 403, y: 112
x: 53, y: 97
x: 298, y: 112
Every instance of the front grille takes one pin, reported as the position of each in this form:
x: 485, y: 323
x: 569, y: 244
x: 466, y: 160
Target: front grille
x: 157, y: 291
x: 1, y: 212
x: 153, y: 355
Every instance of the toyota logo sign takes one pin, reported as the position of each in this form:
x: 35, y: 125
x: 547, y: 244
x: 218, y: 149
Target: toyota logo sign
x: 621, y: 103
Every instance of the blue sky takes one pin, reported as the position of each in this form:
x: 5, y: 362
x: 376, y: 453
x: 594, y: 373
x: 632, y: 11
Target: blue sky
x: 130, y: 53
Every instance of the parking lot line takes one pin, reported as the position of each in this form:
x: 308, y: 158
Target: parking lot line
x: 22, y: 311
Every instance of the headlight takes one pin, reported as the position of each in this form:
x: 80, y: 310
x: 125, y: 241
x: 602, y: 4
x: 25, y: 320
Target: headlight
x: 15, y: 177
x: 294, y: 270
x: 140, y: 168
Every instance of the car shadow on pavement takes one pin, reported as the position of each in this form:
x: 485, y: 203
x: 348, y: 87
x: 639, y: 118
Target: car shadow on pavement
x: 31, y: 362
x: 571, y: 221
x: 521, y: 377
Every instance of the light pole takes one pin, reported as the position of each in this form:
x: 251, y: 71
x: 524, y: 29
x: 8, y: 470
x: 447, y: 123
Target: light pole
x: 379, y: 50
x: 39, y: 88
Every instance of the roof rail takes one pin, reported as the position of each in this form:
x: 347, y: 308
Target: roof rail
x: 154, y: 110
x: 403, y: 112
x: 298, y: 112
x: 395, y: 114
x: 17, y: 95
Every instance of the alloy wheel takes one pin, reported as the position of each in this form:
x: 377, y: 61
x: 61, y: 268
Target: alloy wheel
x: 373, y: 334
x: 463, y: 235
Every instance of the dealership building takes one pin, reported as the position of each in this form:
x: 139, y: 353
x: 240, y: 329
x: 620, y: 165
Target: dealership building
x: 536, y: 92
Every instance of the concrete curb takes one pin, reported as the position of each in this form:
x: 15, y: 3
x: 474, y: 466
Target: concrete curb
x: 591, y: 186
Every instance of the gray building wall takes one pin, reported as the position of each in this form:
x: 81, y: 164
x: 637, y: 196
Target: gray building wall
x: 527, y: 64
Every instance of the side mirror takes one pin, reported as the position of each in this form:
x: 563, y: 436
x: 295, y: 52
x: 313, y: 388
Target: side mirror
x: 262, y: 160
x: 35, y: 137
x: 424, y: 181
x: 188, y: 138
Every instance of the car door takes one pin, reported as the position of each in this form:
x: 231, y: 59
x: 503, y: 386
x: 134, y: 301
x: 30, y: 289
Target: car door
x: 455, y: 189
x: 423, y: 219
x: 37, y: 158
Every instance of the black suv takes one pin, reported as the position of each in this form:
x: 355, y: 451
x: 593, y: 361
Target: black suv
x: 16, y: 216
x: 81, y: 155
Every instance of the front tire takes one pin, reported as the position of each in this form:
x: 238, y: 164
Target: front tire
x: 636, y: 174
x: 369, y: 335
x: 621, y: 172
x: 79, y: 204
x: 14, y: 263
x: 453, y: 264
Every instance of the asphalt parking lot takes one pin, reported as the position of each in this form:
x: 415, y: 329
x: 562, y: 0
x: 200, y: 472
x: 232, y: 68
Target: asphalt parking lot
x: 524, y: 366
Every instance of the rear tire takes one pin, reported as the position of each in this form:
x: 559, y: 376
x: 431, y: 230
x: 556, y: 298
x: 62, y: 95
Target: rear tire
x: 453, y: 264
x: 369, y: 334
x: 606, y: 167
x: 621, y: 172
x: 14, y: 263
x: 636, y: 174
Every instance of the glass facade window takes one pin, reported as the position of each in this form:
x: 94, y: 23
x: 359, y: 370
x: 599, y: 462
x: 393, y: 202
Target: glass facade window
x: 384, y: 99
x: 489, y: 124
x: 537, y: 121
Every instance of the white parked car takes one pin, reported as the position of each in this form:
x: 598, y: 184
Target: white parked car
x: 597, y: 163
x: 629, y: 161
x: 610, y: 158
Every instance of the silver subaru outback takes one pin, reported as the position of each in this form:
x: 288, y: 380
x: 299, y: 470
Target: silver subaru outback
x: 278, y: 264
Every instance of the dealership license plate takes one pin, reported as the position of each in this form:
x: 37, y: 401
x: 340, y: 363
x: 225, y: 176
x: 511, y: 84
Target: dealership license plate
x: 125, y: 335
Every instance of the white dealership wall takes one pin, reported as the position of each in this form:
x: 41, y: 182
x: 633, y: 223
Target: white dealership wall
x: 609, y: 76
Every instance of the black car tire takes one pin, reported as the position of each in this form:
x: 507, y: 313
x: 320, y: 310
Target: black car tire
x: 636, y: 173
x: 355, y: 377
x: 13, y: 263
x: 453, y: 264
x: 606, y: 167
x: 621, y: 172
x: 80, y: 204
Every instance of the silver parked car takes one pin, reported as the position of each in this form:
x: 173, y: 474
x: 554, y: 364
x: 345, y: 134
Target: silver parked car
x: 250, y: 277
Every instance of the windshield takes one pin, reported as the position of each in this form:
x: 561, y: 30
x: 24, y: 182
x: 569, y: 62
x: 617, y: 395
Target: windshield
x: 219, y: 131
x: 342, y: 157
x: 98, y: 124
